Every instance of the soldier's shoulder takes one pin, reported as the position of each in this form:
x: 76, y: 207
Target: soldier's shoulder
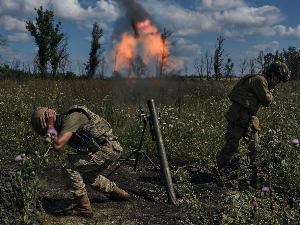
x: 259, y: 77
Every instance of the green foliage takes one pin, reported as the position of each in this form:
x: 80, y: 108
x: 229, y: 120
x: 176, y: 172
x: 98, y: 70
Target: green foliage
x: 193, y: 129
x: 93, y: 62
x: 188, y: 201
x: 28, y: 179
x: 46, y: 38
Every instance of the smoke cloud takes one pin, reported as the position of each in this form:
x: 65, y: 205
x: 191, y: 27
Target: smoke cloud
x: 132, y: 10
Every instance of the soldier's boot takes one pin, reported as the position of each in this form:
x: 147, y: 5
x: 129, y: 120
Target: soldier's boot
x: 83, y: 207
x: 119, y: 194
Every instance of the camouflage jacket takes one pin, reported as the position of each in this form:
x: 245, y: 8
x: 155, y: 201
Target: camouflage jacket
x: 247, y: 96
x: 97, y: 127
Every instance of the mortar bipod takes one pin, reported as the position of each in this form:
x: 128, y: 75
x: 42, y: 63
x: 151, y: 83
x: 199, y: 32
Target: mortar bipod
x: 146, y: 120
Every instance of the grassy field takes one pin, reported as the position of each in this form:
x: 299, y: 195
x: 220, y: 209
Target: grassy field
x: 194, y: 128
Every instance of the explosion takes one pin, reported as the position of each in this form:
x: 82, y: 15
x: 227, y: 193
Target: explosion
x: 146, y: 42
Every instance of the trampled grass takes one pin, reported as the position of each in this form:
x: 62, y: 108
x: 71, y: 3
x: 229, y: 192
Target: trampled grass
x: 194, y: 127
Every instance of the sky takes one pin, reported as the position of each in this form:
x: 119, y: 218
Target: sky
x: 247, y: 26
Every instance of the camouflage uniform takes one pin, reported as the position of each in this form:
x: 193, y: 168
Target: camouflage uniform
x: 101, y: 152
x: 247, y: 96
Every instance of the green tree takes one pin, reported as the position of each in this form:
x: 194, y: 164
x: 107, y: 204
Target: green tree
x: 268, y: 59
x: 218, y: 59
x: 93, y: 61
x: 55, y: 55
x: 292, y: 60
x: 46, y: 38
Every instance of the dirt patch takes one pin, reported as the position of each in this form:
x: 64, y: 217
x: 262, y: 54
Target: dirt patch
x: 148, y: 203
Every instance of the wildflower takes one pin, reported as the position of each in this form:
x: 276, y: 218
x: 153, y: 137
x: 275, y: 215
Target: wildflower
x: 30, y: 210
x: 255, y: 204
x: 206, y: 142
x: 244, y: 158
x: 203, y: 112
x: 295, y: 142
x: 265, y: 189
x: 93, y: 105
x: 101, y: 107
x: 59, y: 105
x: 61, y: 93
x: 20, y: 159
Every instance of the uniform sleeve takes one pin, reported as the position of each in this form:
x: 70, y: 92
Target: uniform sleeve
x: 263, y: 91
x: 73, y: 121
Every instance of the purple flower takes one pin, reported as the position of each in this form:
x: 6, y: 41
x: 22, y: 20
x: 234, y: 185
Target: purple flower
x: 265, y: 189
x: 255, y: 204
x: 244, y: 158
x: 295, y: 142
x: 101, y: 107
x: 61, y: 93
x: 206, y: 142
x: 19, y: 158
x: 93, y: 105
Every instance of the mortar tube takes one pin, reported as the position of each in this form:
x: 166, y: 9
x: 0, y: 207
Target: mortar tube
x: 162, y: 154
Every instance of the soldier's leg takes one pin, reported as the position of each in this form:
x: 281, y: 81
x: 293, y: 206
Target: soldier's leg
x: 72, y: 169
x: 232, y: 136
x: 98, y: 182
x: 109, y: 152
x: 252, y: 147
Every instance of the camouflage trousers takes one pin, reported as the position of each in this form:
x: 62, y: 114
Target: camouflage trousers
x: 233, y: 135
x: 81, y: 169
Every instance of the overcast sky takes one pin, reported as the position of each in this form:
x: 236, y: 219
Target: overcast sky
x: 247, y: 26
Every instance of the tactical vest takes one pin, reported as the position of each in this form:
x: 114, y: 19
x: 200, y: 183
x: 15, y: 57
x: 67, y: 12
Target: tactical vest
x: 98, y: 127
x: 245, y: 98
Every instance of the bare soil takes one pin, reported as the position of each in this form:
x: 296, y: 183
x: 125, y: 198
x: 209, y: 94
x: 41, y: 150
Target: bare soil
x: 148, y: 203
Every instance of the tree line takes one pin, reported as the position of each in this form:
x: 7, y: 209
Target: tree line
x: 213, y: 67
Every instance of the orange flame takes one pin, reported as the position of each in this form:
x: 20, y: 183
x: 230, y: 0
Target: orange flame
x: 152, y: 46
x: 146, y: 27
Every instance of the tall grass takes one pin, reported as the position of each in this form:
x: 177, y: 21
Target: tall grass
x: 192, y: 113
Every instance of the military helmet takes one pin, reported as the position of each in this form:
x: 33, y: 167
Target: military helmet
x: 281, y: 70
x: 38, y: 121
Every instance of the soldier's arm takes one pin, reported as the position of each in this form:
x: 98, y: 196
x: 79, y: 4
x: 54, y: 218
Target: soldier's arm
x: 60, y: 141
x: 263, y: 91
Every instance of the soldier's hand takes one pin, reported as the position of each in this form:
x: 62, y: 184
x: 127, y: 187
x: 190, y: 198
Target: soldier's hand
x: 50, y: 118
x: 273, y: 81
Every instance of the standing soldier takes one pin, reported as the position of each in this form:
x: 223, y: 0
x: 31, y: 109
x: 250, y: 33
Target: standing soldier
x: 96, y: 146
x: 252, y: 91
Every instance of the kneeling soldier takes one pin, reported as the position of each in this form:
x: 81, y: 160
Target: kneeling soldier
x: 96, y: 146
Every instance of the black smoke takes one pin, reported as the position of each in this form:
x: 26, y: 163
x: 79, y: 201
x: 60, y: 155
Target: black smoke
x: 132, y: 10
